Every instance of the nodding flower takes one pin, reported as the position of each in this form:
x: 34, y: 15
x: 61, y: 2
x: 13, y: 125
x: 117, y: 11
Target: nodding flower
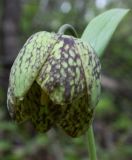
x: 55, y: 81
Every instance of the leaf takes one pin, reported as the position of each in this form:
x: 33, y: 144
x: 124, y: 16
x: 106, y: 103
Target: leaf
x: 100, y: 30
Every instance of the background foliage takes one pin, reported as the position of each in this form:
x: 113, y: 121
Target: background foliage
x: 113, y: 118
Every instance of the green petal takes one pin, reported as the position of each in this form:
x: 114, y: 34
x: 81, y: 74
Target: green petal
x: 22, y: 94
x: 62, y: 75
x: 71, y: 78
x: 92, y: 68
x: 29, y: 62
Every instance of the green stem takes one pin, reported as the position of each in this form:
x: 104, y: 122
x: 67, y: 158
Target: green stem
x: 69, y: 28
x: 91, y: 144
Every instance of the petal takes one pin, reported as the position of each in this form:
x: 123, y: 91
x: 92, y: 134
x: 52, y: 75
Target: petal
x: 29, y: 62
x: 75, y: 118
x: 30, y: 108
x: 71, y: 78
x: 21, y: 98
x: 92, y: 69
x: 62, y: 76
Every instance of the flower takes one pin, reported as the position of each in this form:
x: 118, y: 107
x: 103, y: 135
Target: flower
x: 55, y: 81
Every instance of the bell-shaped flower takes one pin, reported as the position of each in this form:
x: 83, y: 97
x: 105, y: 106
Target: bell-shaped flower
x: 55, y: 81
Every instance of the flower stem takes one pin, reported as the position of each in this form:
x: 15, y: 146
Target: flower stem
x: 91, y: 144
x: 69, y: 28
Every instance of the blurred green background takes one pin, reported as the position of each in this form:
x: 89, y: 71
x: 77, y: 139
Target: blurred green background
x: 113, y: 120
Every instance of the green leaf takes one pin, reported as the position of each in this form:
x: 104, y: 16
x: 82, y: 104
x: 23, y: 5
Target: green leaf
x: 100, y: 30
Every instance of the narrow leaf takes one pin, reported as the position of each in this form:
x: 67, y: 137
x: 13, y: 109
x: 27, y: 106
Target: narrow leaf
x: 100, y: 30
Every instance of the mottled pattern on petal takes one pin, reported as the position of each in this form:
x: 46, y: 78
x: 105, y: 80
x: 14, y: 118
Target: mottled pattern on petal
x: 29, y: 62
x: 71, y: 78
x: 62, y: 76
x: 92, y: 69
x: 22, y: 94
x: 32, y: 107
x: 41, y: 116
x: 74, y: 118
